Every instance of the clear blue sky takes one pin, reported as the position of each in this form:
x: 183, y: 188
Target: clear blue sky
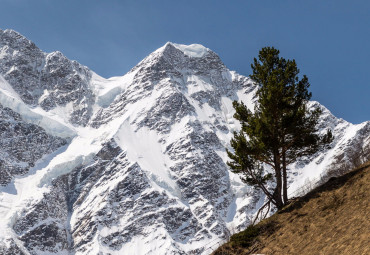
x: 330, y: 40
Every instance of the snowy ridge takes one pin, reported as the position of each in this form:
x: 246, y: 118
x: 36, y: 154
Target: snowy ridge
x: 193, y: 50
x: 144, y: 168
x: 9, y: 98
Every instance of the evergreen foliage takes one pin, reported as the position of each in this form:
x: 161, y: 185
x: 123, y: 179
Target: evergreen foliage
x: 245, y: 238
x: 280, y: 130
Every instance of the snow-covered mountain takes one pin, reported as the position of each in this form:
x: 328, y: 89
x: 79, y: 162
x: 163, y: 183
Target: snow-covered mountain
x: 128, y: 165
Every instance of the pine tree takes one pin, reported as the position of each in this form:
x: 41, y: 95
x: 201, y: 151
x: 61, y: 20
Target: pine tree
x: 280, y: 130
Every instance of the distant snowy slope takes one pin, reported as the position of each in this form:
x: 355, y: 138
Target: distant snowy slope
x: 143, y: 167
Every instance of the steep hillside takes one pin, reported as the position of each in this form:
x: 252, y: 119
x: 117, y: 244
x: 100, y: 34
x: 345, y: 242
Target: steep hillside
x: 332, y: 219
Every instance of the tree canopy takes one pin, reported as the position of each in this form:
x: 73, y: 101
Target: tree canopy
x: 280, y: 130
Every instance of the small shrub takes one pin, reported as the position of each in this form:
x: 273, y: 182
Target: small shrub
x: 246, y: 237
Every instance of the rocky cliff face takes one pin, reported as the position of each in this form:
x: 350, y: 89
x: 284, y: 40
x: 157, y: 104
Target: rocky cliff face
x: 139, y: 165
x: 22, y: 144
x: 47, y: 80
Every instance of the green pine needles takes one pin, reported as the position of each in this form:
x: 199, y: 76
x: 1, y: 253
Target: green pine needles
x: 280, y: 130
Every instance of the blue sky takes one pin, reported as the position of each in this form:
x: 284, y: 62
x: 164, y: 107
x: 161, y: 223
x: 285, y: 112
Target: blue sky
x: 330, y: 40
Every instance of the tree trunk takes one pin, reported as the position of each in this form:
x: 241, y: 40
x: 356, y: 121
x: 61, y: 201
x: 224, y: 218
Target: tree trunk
x: 285, y: 181
x: 277, y: 192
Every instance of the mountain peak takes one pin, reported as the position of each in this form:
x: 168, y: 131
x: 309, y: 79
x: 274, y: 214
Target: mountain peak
x: 15, y: 40
x: 192, y: 50
x: 173, y: 56
x: 11, y: 32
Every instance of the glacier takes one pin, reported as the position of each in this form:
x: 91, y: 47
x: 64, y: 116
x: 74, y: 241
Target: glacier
x: 133, y: 164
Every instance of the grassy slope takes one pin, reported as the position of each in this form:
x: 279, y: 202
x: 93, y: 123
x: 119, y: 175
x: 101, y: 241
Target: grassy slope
x: 332, y: 219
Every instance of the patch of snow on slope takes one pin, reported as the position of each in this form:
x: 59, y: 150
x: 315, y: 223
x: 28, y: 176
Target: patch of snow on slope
x: 31, y: 187
x: 106, y: 90
x: 196, y: 84
x: 140, y: 245
x: 7, y: 89
x: 192, y: 50
x: 313, y: 171
x: 143, y: 147
x: 10, y: 99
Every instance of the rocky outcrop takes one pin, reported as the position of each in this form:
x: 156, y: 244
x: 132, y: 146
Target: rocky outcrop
x: 21, y: 145
x: 46, y: 80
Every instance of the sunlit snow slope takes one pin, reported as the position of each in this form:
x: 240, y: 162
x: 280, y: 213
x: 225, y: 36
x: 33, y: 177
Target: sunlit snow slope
x: 128, y: 165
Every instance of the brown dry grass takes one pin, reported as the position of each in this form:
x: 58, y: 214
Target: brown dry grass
x: 332, y: 219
